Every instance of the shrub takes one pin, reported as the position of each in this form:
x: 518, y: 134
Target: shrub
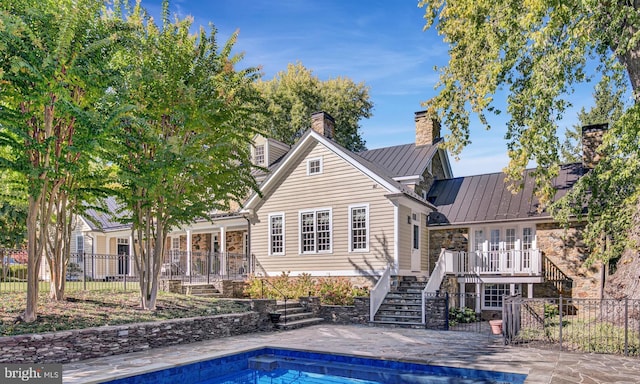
x: 330, y: 290
x: 462, y: 316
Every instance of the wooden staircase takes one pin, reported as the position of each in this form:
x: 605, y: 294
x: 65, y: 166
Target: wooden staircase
x: 295, y: 316
x: 402, y: 307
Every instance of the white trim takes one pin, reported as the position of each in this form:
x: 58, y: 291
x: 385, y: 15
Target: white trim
x: 346, y: 272
x: 320, y: 166
x: 315, y: 244
x: 511, y: 290
x: 292, y: 157
x: 269, y: 234
x: 405, y: 178
x: 396, y: 236
x: 80, y: 236
x: 368, y: 227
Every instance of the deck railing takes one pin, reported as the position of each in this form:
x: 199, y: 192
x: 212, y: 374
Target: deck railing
x: 495, y: 262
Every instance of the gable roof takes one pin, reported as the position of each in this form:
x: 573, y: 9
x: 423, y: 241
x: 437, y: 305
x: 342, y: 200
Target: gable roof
x: 403, y: 160
x: 106, y: 221
x: 485, y: 198
x: 379, y: 174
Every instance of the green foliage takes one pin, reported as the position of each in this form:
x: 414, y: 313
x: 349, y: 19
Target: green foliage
x: 550, y: 311
x: 608, y: 196
x: 536, y: 52
x: 330, y: 290
x: 293, y: 95
x: 462, y: 316
x: 182, y: 145
x: 14, y: 272
x: 609, y: 107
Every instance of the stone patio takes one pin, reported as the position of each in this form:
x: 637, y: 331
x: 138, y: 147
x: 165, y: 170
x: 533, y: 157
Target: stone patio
x: 456, y: 349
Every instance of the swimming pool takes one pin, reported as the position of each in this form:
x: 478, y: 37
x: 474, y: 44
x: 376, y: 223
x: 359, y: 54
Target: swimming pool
x: 279, y: 365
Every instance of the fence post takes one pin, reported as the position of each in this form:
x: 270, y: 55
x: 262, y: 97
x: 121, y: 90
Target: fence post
x: 560, y: 322
x: 126, y: 271
x: 626, y: 326
x: 84, y: 271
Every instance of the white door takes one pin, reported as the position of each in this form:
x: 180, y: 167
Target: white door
x: 415, y: 242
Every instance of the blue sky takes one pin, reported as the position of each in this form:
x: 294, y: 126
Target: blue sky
x: 378, y: 42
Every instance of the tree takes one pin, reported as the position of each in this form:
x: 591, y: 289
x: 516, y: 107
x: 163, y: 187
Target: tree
x: 52, y: 56
x: 609, y: 107
x: 183, y: 149
x: 293, y: 95
x: 537, y: 51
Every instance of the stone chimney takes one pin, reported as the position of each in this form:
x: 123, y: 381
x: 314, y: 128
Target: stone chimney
x: 427, y: 128
x: 324, y: 124
x: 591, y: 140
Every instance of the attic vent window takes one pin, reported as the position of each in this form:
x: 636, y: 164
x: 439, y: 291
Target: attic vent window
x: 314, y: 166
x: 259, y: 155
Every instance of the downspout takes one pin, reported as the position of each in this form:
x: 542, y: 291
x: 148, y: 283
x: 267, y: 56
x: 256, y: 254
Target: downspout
x: 248, y: 250
x: 396, y: 238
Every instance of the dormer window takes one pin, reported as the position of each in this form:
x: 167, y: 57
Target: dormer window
x: 258, y: 155
x: 314, y: 166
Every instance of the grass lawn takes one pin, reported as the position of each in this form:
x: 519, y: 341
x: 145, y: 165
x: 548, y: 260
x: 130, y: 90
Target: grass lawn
x: 84, y: 309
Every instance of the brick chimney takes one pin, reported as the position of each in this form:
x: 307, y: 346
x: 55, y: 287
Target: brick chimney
x: 591, y: 140
x: 324, y: 124
x: 427, y: 128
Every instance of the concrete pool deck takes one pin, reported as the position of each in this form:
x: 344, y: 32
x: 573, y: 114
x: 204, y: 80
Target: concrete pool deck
x: 455, y: 349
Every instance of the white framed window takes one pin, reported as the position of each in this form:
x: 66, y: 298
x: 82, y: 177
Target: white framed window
x: 359, y: 228
x: 175, y: 249
x: 276, y: 234
x: 80, y: 244
x: 314, y: 166
x: 527, y: 238
x: 315, y: 231
x: 258, y: 154
x: 492, y: 295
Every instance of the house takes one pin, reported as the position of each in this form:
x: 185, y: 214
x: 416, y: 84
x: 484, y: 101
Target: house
x: 326, y: 211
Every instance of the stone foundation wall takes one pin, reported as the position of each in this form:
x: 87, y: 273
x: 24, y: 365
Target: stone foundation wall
x: 456, y: 239
x: 75, y: 345
x: 565, y: 248
x: 436, y: 309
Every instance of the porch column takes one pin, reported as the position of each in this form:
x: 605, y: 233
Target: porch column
x: 463, y: 296
x: 530, y: 290
x: 108, y: 258
x: 478, y: 297
x: 188, y: 252
x: 130, y: 255
x: 223, y: 250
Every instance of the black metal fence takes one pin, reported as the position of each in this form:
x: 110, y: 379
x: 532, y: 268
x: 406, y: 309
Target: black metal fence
x: 89, y: 271
x: 454, y: 312
x: 571, y: 324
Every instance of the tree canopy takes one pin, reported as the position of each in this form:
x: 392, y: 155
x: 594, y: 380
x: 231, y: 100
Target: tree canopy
x: 293, y: 95
x: 537, y: 52
x: 183, y: 146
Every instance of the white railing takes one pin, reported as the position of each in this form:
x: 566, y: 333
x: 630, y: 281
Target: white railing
x: 379, y: 292
x: 512, y: 262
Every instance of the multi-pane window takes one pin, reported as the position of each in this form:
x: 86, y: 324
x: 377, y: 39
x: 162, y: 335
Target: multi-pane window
x: 527, y: 238
x: 510, y: 238
x: 479, y: 239
x: 359, y: 228
x: 259, y: 154
x: 276, y: 234
x: 80, y: 247
x: 314, y: 166
x: 416, y: 237
x: 315, y: 231
x: 494, y: 293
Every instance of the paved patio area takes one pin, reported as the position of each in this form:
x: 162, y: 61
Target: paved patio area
x: 456, y: 349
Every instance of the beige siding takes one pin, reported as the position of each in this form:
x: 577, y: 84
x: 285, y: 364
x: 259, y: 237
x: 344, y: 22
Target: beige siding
x: 404, y: 238
x: 339, y: 186
x: 275, y: 152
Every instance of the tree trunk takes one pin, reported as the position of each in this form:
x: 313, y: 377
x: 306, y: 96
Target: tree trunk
x: 34, y: 255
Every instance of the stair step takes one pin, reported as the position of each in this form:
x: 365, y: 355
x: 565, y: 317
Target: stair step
x: 394, y: 324
x: 298, y: 323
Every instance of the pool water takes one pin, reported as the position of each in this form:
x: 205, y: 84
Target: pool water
x: 280, y: 366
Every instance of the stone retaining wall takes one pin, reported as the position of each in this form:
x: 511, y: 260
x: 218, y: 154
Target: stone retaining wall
x: 358, y: 313
x: 75, y: 345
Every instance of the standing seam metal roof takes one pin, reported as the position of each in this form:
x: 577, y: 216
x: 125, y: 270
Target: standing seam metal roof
x: 486, y: 198
x: 402, y: 160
